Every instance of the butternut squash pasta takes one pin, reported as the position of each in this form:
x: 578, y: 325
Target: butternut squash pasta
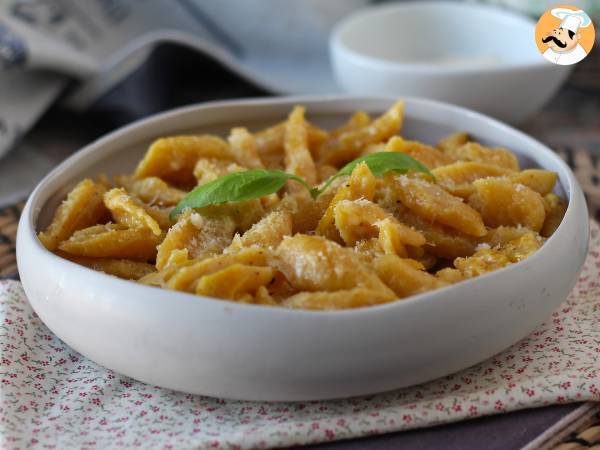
x: 301, y: 217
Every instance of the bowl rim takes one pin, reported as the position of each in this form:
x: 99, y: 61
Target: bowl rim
x: 337, y: 45
x: 27, y: 228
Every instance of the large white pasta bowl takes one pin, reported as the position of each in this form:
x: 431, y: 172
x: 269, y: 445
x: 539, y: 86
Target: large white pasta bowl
x: 225, y: 349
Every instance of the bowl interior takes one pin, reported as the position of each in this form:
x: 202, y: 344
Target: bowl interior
x: 120, y: 152
x: 444, y: 33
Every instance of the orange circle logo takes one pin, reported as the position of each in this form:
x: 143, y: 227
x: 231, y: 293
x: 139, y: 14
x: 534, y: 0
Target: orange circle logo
x: 565, y: 35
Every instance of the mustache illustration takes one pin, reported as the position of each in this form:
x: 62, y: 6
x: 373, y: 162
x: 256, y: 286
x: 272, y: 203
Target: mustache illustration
x: 556, y: 41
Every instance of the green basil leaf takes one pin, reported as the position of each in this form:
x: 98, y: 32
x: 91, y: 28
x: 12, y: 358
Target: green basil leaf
x: 256, y: 183
x: 235, y: 187
x: 379, y: 163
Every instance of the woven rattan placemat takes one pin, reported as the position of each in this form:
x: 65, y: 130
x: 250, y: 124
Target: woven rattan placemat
x: 9, y: 218
x: 579, y: 430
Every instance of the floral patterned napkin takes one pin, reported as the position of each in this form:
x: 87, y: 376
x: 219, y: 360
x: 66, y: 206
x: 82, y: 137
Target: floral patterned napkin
x: 52, y: 397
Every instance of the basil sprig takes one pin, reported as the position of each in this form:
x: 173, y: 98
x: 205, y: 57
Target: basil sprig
x: 236, y: 187
x: 256, y: 183
x: 379, y: 164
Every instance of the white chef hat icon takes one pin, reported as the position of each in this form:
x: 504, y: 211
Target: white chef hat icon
x: 571, y: 20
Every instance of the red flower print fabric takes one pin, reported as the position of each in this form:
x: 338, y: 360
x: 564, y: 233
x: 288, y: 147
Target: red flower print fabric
x: 53, y: 398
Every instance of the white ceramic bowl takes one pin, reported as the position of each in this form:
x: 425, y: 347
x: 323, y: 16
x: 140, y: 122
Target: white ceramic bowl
x: 225, y: 349
x: 480, y: 57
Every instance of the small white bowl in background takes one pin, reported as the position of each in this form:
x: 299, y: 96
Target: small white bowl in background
x: 480, y: 57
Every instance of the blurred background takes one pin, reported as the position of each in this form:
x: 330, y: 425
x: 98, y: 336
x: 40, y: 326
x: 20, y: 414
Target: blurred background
x: 71, y: 71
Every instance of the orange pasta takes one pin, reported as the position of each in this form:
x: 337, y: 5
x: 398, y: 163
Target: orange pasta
x: 371, y: 236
